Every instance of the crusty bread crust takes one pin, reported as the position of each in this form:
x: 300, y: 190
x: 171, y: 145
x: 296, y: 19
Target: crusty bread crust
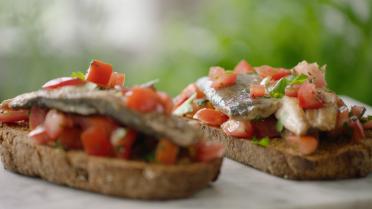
x: 330, y: 162
x: 104, y: 175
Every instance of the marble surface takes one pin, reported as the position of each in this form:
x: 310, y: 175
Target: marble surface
x: 239, y: 186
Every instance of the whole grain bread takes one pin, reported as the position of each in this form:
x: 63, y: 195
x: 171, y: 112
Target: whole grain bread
x: 332, y: 160
x: 104, y: 175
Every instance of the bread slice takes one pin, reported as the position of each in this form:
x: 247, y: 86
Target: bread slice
x: 104, y: 175
x: 333, y: 159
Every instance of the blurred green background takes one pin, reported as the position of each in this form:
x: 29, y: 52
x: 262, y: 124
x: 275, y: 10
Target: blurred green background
x: 176, y: 40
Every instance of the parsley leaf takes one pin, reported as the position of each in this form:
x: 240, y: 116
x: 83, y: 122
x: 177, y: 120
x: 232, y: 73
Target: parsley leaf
x: 78, y: 74
x: 278, y: 90
x: 300, y: 79
x: 264, y: 142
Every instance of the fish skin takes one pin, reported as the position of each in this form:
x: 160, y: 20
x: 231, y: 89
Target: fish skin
x: 109, y: 103
x: 235, y: 101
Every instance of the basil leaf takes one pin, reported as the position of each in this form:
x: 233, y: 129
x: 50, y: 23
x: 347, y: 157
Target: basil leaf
x: 299, y: 79
x: 278, y: 90
x: 264, y: 142
x: 186, y: 107
x: 78, y: 74
x: 279, y: 126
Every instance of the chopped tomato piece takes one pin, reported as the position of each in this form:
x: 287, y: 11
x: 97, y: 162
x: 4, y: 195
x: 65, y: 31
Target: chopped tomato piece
x: 124, y: 146
x: 55, y: 122
x: 256, y: 90
x: 358, y: 111
x: 265, y: 128
x: 306, y: 145
x: 37, y: 117
x: 207, y: 151
x: 166, y: 152
x: 5, y: 105
x: 116, y: 79
x: 61, y: 82
x: 238, y: 129
x: 357, y: 127
x: 368, y: 125
x: 243, y: 67
x: 309, y: 98
x: 13, y: 116
x: 211, y: 117
x: 187, y: 93
x: 275, y: 73
x: 70, y: 138
x: 221, y: 78
x: 316, y: 75
x: 99, y: 72
x: 292, y: 91
x: 166, y: 101
x: 340, y: 102
x: 40, y: 135
x: 96, y: 121
x: 143, y: 100
x: 96, y: 141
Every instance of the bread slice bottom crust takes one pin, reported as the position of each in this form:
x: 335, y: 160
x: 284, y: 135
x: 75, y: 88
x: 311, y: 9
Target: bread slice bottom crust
x: 109, y: 176
x: 333, y: 160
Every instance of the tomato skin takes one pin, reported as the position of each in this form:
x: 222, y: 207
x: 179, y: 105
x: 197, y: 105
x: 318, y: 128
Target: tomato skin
x: 211, y: 117
x: 96, y: 141
x: 292, y: 91
x: 243, y: 67
x: 238, y: 129
x: 143, y: 100
x: 166, y: 102
x: 40, y: 135
x: 221, y: 78
x: 275, y: 73
x: 13, y: 116
x: 306, y: 145
x: 187, y: 93
x: 265, y: 128
x: 358, y: 130
x: 313, y: 72
x: 207, y: 151
x: 166, y: 152
x: 256, y: 90
x: 99, y: 72
x: 62, y: 82
x: 55, y: 122
x: 95, y: 121
x: 37, y: 117
x: 116, y: 79
x: 216, y: 72
x: 70, y: 138
x: 308, y: 98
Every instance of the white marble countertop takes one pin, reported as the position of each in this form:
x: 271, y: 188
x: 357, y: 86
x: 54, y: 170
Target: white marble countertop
x: 239, y: 186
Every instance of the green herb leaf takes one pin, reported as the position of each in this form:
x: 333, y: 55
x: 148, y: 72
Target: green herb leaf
x: 264, y: 142
x: 78, y: 74
x: 278, y: 90
x: 279, y: 126
x: 150, y: 157
x: 186, y: 107
x: 201, y: 102
x: 299, y: 79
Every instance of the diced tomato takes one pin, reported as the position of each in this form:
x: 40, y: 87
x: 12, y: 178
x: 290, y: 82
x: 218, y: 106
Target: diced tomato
x: 55, y: 122
x: 275, y: 73
x: 166, y: 152
x: 243, y: 67
x: 239, y: 129
x: 357, y: 127
x: 116, y: 79
x: 5, y: 105
x: 368, y: 125
x: 308, y: 97
x: 187, y: 93
x: 256, y: 90
x: 143, y: 100
x: 211, y: 117
x: 265, y: 128
x: 358, y: 111
x: 221, y: 78
x: 340, y: 102
x: 37, y: 117
x: 40, y: 135
x: 306, y: 145
x: 99, y: 72
x: 166, y: 101
x: 342, y: 116
x: 96, y: 141
x: 96, y: 121
x: 124, y: 146
x: 13, y: 116
x: 207, y: 151
x: 70, y: 138
x: 292, y: 91
x: 312, y: 70
x: 61, y: 82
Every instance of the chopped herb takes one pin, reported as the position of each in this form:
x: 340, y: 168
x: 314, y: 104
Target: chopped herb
x: 279, y: 126
x: 78, y: 74
x: 300, y: 79
x: 264, y: 142
x: 186, y: 107
x: 278, y: 90
x: 58, y: 145
x: 201, y: 102
x: 150, y: 157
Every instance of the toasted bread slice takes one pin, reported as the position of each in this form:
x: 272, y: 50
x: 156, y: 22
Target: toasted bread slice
x: 103, y: 175
x: 333, y: 159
